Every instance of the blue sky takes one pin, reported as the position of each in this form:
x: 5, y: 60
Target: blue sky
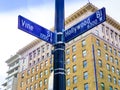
x: 41, y: 12
x: 11, y: 5
x: 8, y: 5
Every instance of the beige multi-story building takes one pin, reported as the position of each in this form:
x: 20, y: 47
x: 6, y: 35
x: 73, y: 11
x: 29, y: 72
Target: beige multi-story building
x: 12, y: 77
x: 35, y: 65
x: 92, y: 59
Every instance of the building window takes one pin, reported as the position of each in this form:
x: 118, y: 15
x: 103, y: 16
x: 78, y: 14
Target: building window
x: 101, y: 74
x: 43, y: 48
x: 35, y: 86
x: 99, y: 52
x: 105, y: 46
x: 33, y: 70
x: 33, y: 62
x: 85, y: 75
x: 22, y: 84
x: 23, y: 60
x: 119, y: 38
x: 111, y: 33
x: 51, y: 69
x: 97, y: 32
x: 22, y: 75
x: 113, y: 69
x: 37, y: 68
x: 38, y: 51
x: 9, y: 83
x: 109, y: 78
x: 75, y: 88
x: 29, y: 65
x: 27, y: 88
x: 116, y: 61
x: 107, y: 30
x: 40, y: 83
x: 106, y: 56
x: 84, y: 63
x: 68, y: 71
x: 30, y: 56
x: 74, y: 79
x: 118, y: 53
x: 100, y: 63
x: 43, y: 57
x: 48, y: 46
x: 45, y: 89
x: 46, y: 72
x: 36, y: 77
x: 98, y: 42
x: 73, y: 48
x: 51, y: 60
x: 115, y: 52
x: 86, y: 86
x: 68, y: 51
x: 84, y: 53
x: 74, y: 58
x: 108, y: 67
x: 119, y: 82
x: 34, y: 53
x: 38, y: 59
x: 103, y: 28
x: 110, y: 48
x: 110, y: 88
x: 45, y: 81
x: 111, y: 59
x: 46, y: 62
x: 68, y: 82
x: 28, y: 81
x: 41, y: 74
x: 116, y: 36
x: 102, y: 86
x: 114, y: 79
x: 68, y: 61
x: 48, y: 55
x: 83, y: 43
x: 31, y: 87
x: 32, y: 79
x: 116, y: 89
x: 41, y: 65
x: 74, y: 68
x: 117, y: 71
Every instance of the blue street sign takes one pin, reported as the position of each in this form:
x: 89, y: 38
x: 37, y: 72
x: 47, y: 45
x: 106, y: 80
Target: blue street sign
x: 93, y: 20
x: 35, y: 30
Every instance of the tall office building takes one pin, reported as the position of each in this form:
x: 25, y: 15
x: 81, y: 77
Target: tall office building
x: 12, y: 77
x: 92, y: 59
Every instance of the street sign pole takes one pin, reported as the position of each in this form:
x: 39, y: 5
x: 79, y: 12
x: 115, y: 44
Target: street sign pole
x: 59, y: 48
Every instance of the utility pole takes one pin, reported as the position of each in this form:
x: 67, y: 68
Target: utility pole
x: 59, y: 48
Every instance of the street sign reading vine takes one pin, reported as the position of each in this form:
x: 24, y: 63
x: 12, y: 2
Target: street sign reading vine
x: 35, y: 30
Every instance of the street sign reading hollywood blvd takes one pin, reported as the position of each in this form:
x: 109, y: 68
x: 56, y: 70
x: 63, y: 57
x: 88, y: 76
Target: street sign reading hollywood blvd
x: 85, y: 25
x: 35, y: 30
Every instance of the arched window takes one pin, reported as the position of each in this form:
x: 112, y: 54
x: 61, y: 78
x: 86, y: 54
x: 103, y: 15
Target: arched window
x: 102, y: 86
x: 110, y: 88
